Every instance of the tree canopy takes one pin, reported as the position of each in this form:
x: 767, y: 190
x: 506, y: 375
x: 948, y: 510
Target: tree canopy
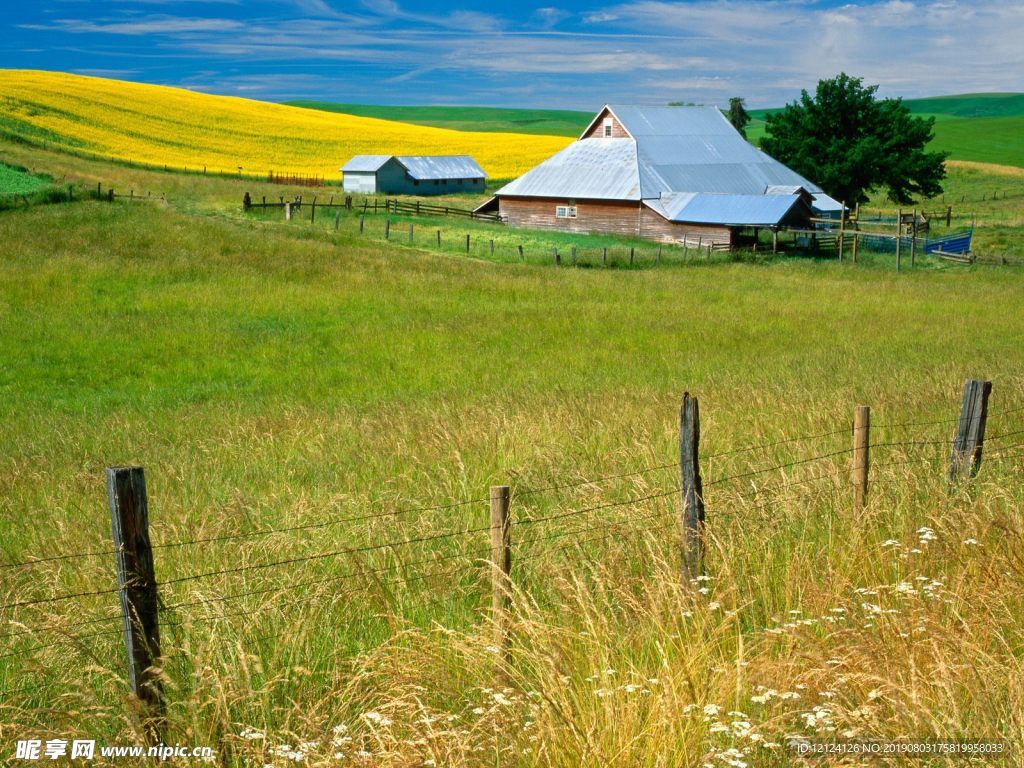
x: 738, y: 115
x: 849, y: 142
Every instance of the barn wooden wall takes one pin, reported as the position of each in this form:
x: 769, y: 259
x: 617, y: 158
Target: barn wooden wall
x: 608, y: 217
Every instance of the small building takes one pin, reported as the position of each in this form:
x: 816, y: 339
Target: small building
x: 664, y: 173
x: 412, y: 174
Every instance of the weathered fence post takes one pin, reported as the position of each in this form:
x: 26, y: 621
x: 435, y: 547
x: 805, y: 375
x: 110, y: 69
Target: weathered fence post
x: 362, y: 221
x: 861, y: 456
x: 842, y: 229
x: 501, y: 572
x: 246, y: 202
x: 604, y: 257
x: 110, y: 195
x: 99, y: 190
x: 467, y: 243
x: 410, y: 231
x: 439, y: 238
x: 631, y: 249
x: 899, y: 236
x: 913, y: 239
x: 287, y: 210
x: 691, y: 489
x: 312, y: 211
x: 492, y: 246
x: 387, y: 229
x: 136, y: 582
x: 555, y: 257
x: 522, y: 256
x: 965, y: 459
x: 574, y: 254
x: 337, y: 220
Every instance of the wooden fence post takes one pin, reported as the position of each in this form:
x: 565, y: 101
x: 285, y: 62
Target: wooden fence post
x: 965, y: 459
x: 467, y: 243
x: 842, y: 229
x: 410, y: 231
x: 604, y: 257
x: 692, y: 490
x: 492, y: 246
x: 337, y: 220
x: 899, y: 236
x: 913, y: 239
x: 439, y: 238
x: 110, y: 195
x: 287, y: 210
x: 501, y: 572
x: 555, y: 257
x: 136, y: 582
x: 861, y: 456
x: 387, y: 229
x: 246, y: 202
x: 362, y: 221
x: 574, y: 254
x: 522, y: 256
x: 312, y: 211
x: 631, y: 249
x: 99, y: 190
x: 659, y: 254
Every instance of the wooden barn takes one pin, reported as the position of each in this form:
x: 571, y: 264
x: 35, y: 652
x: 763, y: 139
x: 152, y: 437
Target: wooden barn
x: 664, y: 173
x: 412, y: 174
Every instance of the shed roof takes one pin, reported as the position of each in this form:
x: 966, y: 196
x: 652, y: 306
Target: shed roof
x: 427, y: 167
x: 421, y: 167
x: 365, y: 163
x: 730, y: 210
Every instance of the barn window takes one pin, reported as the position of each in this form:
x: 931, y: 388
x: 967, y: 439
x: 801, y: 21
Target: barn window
x: 565, y: 212
x: 608, y: 125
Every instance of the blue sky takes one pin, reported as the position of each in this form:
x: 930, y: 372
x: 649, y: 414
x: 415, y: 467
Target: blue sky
x: 502, y: 53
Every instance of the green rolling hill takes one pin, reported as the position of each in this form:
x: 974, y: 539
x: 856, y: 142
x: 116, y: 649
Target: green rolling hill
x: 981, y: 127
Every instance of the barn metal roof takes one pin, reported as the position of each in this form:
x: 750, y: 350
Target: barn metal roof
x: 672, y: 150
x: 427, y: 167
x: 365, y: 163
x: 592, y: 169
x: 730, y: 210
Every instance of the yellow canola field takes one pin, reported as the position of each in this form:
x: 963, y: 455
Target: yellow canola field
x: 161, y: 125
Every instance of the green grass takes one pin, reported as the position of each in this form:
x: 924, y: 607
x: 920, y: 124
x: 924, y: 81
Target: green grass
x: 18, y: 181
x: 549, y: 122
x: 970, y: 105
x: 280, y: 375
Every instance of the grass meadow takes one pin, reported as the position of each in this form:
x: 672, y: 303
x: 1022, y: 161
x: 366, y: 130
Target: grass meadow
x: 320, y: 417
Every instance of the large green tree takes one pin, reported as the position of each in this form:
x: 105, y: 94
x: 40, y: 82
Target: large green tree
x: 849, y: 142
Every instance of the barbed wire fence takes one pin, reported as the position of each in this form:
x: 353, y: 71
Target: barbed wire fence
x: 471, y: 554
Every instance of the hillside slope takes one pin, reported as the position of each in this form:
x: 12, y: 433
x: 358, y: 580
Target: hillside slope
x: 550, y: 122
x: 978, y: 127
x: 162, y: 125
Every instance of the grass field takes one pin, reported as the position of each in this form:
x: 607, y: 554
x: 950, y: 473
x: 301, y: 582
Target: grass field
x: 273, y: 376
x: 155, y: 125
x: 17, y: 181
